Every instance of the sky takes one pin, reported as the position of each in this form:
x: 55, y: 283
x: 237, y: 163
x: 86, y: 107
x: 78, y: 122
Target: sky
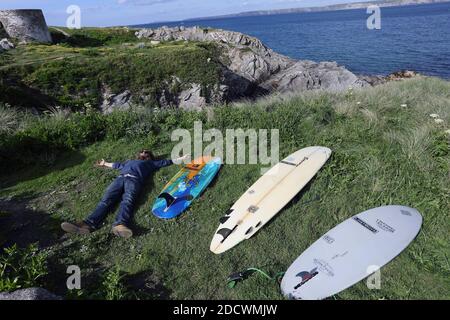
x: 101, y: 13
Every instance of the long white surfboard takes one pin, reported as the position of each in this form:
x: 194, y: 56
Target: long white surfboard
x: 350, y: 252
x: 267, y: 196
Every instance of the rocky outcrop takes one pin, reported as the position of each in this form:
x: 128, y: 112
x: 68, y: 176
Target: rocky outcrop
x: 400, y: 75
x: 192, y: 98
x: 250, y: 68
x: 29, y: 294
x: 308, y: 75
x: 113, y: 101
x: 25, y: 25
x: 3, y: 33
x: 244, y: 55
x: 5, y: 44
x: 395, y: 76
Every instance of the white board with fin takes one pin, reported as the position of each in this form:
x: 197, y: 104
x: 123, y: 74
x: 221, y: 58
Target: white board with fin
x: 351, y: 251
x: 267, y: 196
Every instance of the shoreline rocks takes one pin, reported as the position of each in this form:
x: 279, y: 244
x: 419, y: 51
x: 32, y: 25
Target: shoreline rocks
x: 250, y: 68
x: 395, y: 76
x: 5, y: 44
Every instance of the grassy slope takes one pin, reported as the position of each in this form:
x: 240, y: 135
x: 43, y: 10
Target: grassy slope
x: 383, y: 154
x: 75, y: 71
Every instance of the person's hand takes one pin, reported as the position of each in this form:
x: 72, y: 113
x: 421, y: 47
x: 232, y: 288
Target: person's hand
x: 181, y: 159
x: 100, y: 163
x: 185, y: 157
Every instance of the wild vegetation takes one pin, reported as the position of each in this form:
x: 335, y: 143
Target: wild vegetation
x: 386, y: 150
x: 78, y: 69
x: 21, y: 268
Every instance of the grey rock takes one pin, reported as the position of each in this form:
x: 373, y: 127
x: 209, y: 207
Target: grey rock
x: 3, y: 33
x: 401, y: 75
x: 375, y: 80
x: 308, y: 75
x: 192, y: 99
x: 29, y: 294
x: 165, y: 99
x: 238, y: 86
x: 140, y: 45
x: 5, y: 44
x: 111, y: 101
x: 251, y: 68
x: 220, y: 93
x: 168, y: 97
x: 25, y: 25
x: 372, y: 80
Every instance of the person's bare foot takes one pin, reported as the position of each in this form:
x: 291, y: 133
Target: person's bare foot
x: 122, y: 231
x: 80, y: 228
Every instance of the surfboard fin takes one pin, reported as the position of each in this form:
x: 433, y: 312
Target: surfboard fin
x: 170, y: 200
x: 226, y: 217
x: 225, y: 233
x: 168, y: 197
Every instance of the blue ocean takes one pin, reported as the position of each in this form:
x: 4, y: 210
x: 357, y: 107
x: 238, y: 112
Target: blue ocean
x: 413, y: 37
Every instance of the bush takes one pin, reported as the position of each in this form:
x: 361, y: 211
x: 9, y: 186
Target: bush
x: 111, y: 286
x: 54, y: 133
x: 21, y: 268
x: 59, y: 75
x: 9, y: 120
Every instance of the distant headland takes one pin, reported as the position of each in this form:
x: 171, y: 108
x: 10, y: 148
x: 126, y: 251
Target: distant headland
x: 335, y: 7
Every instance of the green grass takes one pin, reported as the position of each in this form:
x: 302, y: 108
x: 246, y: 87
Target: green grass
x: 382, y: 154
x: 93, y: 37
x: 21, y: 268
x: 77, y: 70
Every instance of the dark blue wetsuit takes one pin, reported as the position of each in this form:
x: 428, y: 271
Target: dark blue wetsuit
x: 126, y: 186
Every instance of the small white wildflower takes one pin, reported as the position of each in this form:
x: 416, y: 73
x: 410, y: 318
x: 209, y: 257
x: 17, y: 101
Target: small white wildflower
x: 447, y: 131
x: 404, y: 105
x: 439, y: 121
x: 358, y: 103
x: 434, y: 115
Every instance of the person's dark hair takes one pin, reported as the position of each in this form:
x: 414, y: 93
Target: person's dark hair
x: 145, y: 154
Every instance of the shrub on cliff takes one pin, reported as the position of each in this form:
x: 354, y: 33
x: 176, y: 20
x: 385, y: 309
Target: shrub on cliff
x: 42, y: 76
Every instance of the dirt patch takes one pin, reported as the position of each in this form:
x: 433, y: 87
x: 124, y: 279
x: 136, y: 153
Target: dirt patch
x: 22, y: 225
x: 148, y: 286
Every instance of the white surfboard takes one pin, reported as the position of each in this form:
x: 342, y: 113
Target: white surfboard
x: 350, y: 252
x: 267, y: 196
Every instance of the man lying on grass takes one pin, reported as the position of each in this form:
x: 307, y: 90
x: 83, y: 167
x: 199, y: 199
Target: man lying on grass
x: 126, y: 187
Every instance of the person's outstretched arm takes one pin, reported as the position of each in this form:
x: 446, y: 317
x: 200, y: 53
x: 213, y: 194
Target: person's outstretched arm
x: 103, y: 163
x: 165, y: 163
